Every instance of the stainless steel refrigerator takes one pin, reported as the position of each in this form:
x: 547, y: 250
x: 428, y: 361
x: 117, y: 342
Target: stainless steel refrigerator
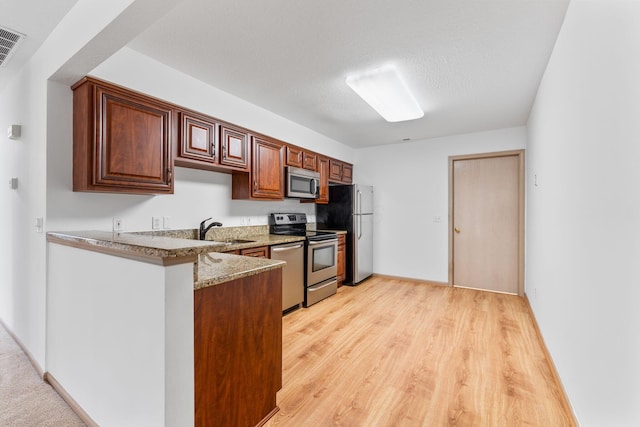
x: 350, y: 208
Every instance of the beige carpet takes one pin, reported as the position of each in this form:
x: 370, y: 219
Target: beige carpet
x: 25, y: 399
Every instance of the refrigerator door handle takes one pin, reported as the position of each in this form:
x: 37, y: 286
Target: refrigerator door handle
x: 359, y: 226
x: 359, y: 202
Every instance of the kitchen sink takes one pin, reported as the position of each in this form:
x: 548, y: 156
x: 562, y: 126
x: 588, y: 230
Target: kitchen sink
x: 232, y: 241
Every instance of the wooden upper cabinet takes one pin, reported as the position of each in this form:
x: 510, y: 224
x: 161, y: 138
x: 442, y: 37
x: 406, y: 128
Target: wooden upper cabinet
x: 267, y: 169
x: 297, y: 157
x: 340, y: 172
x: 197, y: 137
x: 234, y: 148
x: 347, y: 173
x: 293, y: 156
x: 309, y: 161
x: 206, y: 143
x: 323, y: 197
x: 335, y: 170
x: 121, y: 140
x: 266, y: 179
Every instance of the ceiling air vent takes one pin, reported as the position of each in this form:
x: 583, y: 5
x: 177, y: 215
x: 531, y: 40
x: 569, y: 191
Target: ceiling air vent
x: 9, y: 41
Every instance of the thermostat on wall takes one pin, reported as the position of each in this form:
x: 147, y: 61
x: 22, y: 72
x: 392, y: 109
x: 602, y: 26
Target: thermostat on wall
x: 14, y: 131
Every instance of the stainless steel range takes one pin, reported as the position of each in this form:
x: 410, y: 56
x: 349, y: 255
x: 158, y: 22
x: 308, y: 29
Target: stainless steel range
x: 321, y: 255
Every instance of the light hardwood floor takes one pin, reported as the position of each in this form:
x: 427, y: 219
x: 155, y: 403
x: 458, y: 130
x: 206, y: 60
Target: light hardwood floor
x: 397, y: 353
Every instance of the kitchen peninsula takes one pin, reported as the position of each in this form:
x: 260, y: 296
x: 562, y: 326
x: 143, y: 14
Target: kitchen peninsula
x: 162, y: 329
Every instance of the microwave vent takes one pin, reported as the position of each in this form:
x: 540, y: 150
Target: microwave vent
x: 9, y: 41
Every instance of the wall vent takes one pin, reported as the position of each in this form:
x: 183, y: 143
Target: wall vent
x: 9, y: 41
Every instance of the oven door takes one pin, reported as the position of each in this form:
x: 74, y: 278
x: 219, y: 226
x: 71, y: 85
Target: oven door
x: 322, y: 260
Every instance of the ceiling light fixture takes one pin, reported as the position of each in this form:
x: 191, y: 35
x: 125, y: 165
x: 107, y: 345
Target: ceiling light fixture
x: 385, y: 92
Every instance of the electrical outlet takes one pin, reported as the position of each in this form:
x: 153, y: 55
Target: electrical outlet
x: 156, y: 222
x: 166, y: 222
x: 118, y: 224
x: 437, y: 218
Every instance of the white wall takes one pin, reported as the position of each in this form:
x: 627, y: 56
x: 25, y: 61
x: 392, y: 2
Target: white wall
x: 410, y: 189
x: 583, y: 247
x: 120, y: 337
x: 22, y: 250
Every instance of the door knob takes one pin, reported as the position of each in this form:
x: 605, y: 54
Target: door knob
x: 457, y: 230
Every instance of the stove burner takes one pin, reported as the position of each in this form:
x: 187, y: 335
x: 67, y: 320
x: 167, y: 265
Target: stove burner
x: 296, y: 225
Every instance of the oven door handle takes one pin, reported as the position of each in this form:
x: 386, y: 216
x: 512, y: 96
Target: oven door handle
x: 321, y: 242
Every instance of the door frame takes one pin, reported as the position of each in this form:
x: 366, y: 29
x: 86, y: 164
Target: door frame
x: 521, y: 199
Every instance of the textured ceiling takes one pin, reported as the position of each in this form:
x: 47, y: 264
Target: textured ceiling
x: 472, y: 64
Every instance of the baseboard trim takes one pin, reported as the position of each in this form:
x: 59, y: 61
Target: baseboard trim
x: 408, y: 279
x: 70, y: 401
x: 554, y: 371
x: 32, y: 359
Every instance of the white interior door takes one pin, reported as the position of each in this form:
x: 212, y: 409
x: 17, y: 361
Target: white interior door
x: 486, y: 215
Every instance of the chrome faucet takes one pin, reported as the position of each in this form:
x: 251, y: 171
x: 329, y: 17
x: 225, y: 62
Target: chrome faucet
x: 203, y: 229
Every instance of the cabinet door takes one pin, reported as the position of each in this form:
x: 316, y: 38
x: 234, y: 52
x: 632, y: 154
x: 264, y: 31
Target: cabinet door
x: 309, y: 161
x: 238, y: 350
x: 267, y: 169
x: 259, y: 252
x: 347, y: 172
x: 293, y: 156
x: 132, y: 147
x: 197, y: 138
x: 335, y: 170
x: 342, y: 258
x: 234, y: 148
x: 323, y: 197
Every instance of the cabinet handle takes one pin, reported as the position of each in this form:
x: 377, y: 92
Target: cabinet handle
x: 255, y: 185
x: 169, y: 175
x: 224, y: 151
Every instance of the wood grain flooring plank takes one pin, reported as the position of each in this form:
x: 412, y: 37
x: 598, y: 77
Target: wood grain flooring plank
x: 399, y: 353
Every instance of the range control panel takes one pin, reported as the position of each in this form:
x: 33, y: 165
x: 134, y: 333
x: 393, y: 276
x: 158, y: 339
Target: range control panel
x: 287, y: 218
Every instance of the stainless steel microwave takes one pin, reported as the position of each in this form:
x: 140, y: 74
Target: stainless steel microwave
x: 302, y: 183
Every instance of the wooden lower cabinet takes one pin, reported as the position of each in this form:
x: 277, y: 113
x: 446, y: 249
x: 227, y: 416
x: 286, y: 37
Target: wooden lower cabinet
x: 342, y: 259
x: 238, y: 350
x: 258, y: 252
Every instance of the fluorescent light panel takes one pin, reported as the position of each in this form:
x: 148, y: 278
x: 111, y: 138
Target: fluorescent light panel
x: 385, y: 92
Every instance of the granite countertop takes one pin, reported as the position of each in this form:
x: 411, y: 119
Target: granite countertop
x: 215, y: 268
x: 148, y: 248
x: 211, y: 266
x: 333, y: 231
